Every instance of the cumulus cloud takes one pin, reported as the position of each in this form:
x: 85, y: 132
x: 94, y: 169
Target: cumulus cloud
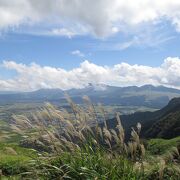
x: 77, y: 53
x: 101, y: 18
x: 33, y: 76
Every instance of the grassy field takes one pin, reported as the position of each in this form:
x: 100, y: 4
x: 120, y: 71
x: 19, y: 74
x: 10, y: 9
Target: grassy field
x: 18, y: 163
x: 61, y: 145
x: 14, y: 159
x: 162, y: 146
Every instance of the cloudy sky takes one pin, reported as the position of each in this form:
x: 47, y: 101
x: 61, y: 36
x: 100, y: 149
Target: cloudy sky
x: 70, y: 43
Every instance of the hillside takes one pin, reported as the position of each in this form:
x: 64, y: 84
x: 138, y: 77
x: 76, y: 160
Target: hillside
x: 164, y: 123
x: 168, y: 125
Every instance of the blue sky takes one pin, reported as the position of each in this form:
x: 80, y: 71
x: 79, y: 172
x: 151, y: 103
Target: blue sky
x: 57, y: 51
x: 68, y: 39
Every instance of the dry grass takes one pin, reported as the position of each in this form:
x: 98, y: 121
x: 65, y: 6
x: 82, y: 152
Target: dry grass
x: 72, y: 130
x: 76, y: 130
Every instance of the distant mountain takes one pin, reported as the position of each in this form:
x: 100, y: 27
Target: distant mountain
x: 41, y: 95
x: 148, y: 95
x: 8, y: 92
x: 164, y: 123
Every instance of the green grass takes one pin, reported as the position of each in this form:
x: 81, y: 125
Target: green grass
x: 81, y: 165
x: 85, y: 164
x: 161, y: 146
x: 96, y: 165
x: 14, y: 162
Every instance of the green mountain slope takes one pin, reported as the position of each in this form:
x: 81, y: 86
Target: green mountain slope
x: 164, y: 123
x: 168, y: 125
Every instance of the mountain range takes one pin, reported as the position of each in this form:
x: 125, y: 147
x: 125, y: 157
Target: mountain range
x: 163, y: 123
x: 147, y: 95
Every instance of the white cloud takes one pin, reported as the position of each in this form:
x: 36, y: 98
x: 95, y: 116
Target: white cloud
x: 62, y: 32
x: 78, y: 53
x: 101, y: 18
x: 142, y: 41
x: 33, y: 76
